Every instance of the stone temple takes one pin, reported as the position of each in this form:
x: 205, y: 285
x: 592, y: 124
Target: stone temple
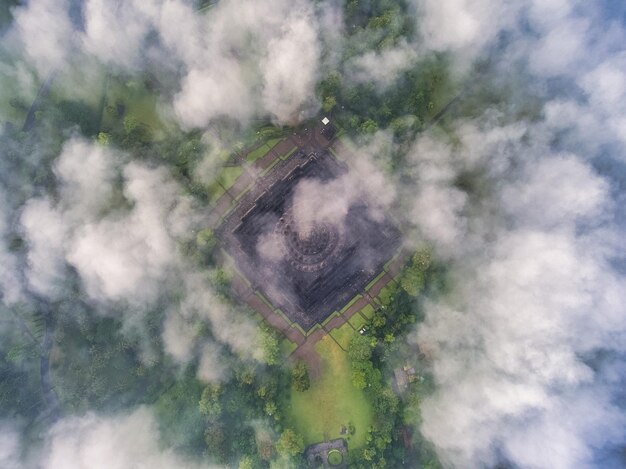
x: 315, y: 270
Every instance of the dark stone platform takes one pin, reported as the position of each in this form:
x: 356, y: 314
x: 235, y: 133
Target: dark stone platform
x: 315, y: 272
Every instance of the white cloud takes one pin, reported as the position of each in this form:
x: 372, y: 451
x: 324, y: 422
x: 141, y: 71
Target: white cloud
x: 212, y: 366
x: 242, y: 63
x: 115, y: 33
x: 531, y: 300
x: 558, y: 191
x: 10, y: 287
x: 382, y: 67
x: 9, y: 447
x: 463, y: 25
x: 121, y: 442
x: 229, y: 327
x: 87, y: 174
x: 45, y: 31
x: 206, y: 94
x: 562, y: 47
x: 437, y: 211
x: 235, y: 61
x: 509, y: 365
x: 46, y: 234
x: 178, y: 337
x: 127, y: 255
x: 290, y: 69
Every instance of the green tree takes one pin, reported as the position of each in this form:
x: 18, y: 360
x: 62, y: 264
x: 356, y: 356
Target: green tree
x: 215, y: 439
x: 290, y: 443
x: 358, y: 378
x: 206, y: 241
x: 368, y: 127
x: 102, y: 139
x: 270, y: 346
x: 300, y: 377
x: 272, y: 410
x: 136, y: 134
x: 210, y: 405
x: 360, y: 348
x: 329, y: 103
x: 413, y: 279
x: 221, y: 280
x: 245, y: 376
x: 246, y: 462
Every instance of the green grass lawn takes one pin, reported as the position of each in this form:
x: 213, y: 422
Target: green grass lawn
x: 357, y: 321
x: 224, y: 181
x: 138, y: 101
x: 368, y: 311
x: 273, y: 142
x: 229, y: 175
x: 258, y: 153
x: 342, y: 335
x: 262, y: 150
x: 215, y: 191
x: 287, y: 346
x: 386, y: 293
x: 318, y: 413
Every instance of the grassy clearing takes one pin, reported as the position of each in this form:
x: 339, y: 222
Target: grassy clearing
x: 386, y: 293
x: 131, y: 99
x: 224, y: 181
x: 215, y: 191
x: 287, y: 346
x: 262, y: 150
x: 357, y: 321
x: 273, y: 142
x: 368, y: 311
x: 229, y: 175
x: 332, y: 401
x: 257, y: 154
x: 342, y: 335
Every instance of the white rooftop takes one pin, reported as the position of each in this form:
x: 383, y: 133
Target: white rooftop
x: 325, y: 121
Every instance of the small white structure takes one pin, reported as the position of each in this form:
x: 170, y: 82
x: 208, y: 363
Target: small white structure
x: 325, y: 121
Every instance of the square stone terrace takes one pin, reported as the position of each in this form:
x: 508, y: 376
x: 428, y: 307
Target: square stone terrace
x: 320, y: 272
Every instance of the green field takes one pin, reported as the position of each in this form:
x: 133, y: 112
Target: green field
x: 386, y: 293
x: 262, y: 150
x: 137, y: 102
x: 286, y: 345
x: 357, y: 321
x: 229, y: 175
x: 342, y: 335
x: 332, y: 401
x: 224, y: 181
x: 368, y: 311
x: 215, y: 191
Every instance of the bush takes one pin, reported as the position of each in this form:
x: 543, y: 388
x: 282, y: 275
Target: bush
x: 300, y: 377
x: 290, y: 443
